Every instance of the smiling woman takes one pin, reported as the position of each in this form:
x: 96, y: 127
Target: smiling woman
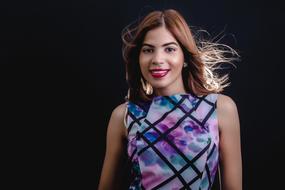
x: 178, y: 125
x: 161, y: 60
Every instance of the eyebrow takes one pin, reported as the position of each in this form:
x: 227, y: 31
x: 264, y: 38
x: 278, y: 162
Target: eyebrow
x: 166, y: 44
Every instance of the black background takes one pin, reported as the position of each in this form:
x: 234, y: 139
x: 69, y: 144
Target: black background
x: 62, y: 74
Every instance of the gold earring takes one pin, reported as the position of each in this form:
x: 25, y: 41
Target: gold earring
x: 185, y: 64
x: 127, y: 97
x: 147, y: 87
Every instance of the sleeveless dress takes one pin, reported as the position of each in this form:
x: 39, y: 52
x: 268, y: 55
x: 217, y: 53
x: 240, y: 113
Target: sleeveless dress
x: 173, y: 142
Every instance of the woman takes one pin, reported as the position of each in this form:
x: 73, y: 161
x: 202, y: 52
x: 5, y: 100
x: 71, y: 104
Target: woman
x: 179, y: 127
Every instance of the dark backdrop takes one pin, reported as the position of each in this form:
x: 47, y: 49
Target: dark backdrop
x: 62, y: 74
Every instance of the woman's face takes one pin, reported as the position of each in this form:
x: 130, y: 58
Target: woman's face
x: 161, y: 60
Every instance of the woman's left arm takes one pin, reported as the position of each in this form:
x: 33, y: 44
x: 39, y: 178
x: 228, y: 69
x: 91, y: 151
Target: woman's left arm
x: 230, y: 146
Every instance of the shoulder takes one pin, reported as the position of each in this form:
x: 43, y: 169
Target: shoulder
x: 229, y: 142
x: 227, y: 111
x: 225, y: 103
x: 117, y: 119
x: 119, y: 111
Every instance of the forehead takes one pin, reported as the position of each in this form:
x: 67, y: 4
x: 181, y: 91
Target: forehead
x: 159, y: 36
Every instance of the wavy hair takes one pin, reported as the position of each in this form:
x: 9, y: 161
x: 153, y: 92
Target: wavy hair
x: 204, y: 57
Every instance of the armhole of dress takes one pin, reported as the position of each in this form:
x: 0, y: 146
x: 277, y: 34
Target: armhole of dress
x: 216, y: 100
x: 220, y: 177
x: 126, y: 115
x: 219, y: 165
x: 216, y: 107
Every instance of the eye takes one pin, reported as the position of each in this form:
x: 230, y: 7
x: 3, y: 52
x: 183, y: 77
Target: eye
x: 147, y: 50
x: 170, y: 49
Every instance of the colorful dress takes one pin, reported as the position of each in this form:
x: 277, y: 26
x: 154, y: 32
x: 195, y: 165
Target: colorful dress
x: 173, y: 142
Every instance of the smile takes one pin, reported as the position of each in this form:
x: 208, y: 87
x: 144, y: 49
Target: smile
x: 159, y: 73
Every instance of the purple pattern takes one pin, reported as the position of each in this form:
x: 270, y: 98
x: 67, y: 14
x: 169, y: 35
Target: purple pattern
x: 174, y: 143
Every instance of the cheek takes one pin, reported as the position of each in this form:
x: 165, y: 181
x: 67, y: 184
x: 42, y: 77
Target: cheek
x: 143, y: 61
x: 178, y: 61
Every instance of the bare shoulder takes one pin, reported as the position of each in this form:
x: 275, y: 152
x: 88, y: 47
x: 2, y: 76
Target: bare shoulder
x: 229, y: 142
x: 119, y: 112
x: 117, y: 119
x: 226, y: 103
x: 227, y: 111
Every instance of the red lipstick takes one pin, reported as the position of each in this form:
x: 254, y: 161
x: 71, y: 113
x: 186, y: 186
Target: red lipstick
x: 159, y: 73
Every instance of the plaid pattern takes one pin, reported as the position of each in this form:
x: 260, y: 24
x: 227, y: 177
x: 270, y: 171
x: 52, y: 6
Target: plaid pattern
x: 173, y: 142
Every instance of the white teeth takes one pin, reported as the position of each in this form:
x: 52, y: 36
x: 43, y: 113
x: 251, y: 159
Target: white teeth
x: 158, y: 72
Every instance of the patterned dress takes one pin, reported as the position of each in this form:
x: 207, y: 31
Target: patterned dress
x: 173, y: 142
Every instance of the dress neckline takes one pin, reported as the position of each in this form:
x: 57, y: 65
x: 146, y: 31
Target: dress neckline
x: 174, y: 95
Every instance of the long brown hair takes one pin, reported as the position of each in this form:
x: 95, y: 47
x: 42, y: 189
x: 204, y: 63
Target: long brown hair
x: 199, y: 77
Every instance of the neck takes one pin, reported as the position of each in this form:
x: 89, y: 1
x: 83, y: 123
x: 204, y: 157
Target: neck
x: 169, y: 92
x: 176, y: 87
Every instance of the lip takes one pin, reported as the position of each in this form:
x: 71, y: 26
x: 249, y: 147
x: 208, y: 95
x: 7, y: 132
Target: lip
x: 158, y: 73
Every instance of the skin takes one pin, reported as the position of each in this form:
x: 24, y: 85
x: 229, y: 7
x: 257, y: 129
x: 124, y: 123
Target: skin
x: 157, y: 52
x: 161, y: 50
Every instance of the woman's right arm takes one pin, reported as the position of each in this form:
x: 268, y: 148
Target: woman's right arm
x: 116, y: 133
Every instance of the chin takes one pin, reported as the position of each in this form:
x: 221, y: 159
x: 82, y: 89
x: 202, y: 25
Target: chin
x: 159, y: 86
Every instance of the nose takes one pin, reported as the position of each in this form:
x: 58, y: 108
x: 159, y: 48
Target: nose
x: 158, y: 58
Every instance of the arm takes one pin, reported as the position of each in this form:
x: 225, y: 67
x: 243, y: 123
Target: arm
x: 116, y: 133
x: 230, y: 148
